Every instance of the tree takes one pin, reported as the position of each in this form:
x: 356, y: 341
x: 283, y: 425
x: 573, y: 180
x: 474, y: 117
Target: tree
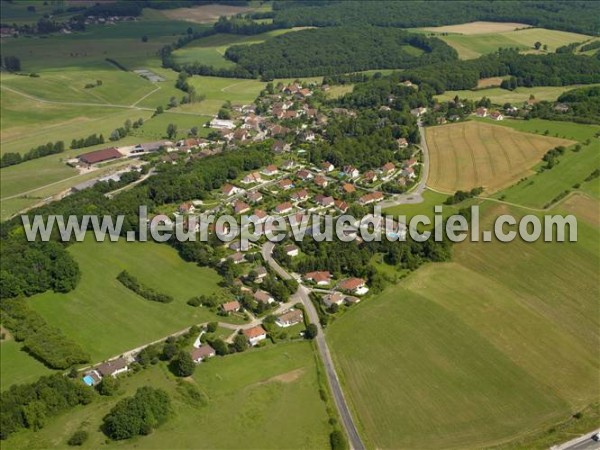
x: 545, y: 47
x: 183, y: 364
x: 194, y: 131
x: 224, y: 114
x: 211, y: 327
x: 220, y: 347
x: 338, y: 440
x: 144, y: 38
x: 311, y: 331
x: 78, y: 438
x: 240, y: 343
x: 171, y: 131
x: 108, y: 386
x: 12, y: 63
x: 537, y: 45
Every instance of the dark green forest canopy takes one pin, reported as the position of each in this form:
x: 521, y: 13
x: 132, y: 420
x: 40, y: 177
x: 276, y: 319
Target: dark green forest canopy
x: 575, y: 16
x: 338, y: 50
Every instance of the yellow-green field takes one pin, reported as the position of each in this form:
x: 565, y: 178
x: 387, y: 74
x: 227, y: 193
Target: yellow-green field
x: 470, y: 46
x: 472, y: 353
x: 264, y: 398
x: 517, y: 97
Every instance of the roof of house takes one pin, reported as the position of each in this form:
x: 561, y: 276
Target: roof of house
x: 352, y: 283
x: 293, y: 315
x: 230, y: 306
x: 349, y: 188
x: 254, y: 332
x: 283, y: 206
x: 109, y: 367
x: 100, y: 155
x: 388, y: 166
x: 318, y: 276
x: 241, y: 206
x: 341, y: 205
x: 303, y: 193
x: 202, y: 352
x: 290, y: 248
x: 263, y: 296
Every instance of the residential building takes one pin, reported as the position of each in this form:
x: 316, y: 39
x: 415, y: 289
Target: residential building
x: 240, y: 207
x: 291, y: 250
x: 255, y: 334
x: 290, y: 318
x: 357, y: 286
x: 113, y: 368
x: 201, y: 353
x: 320, y: 278
x: 284, y: 208
x: 263, y: 297
x: 230, y: 307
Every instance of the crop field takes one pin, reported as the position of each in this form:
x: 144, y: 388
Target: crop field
x: 478, y: 28
x: 517, y: 97
x: 205, y: 13
x: 127, y: 319
x: 473, y: 154
x: 266, y: 398
x: 471, y: 353
x: 470, y: 46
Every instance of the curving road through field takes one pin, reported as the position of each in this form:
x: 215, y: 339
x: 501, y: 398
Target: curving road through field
x: 334, y: 382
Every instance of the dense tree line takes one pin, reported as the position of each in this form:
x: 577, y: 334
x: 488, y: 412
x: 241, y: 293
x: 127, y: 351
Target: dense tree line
x: 138, y: 415
x: 44, y: 342
x: 13, y: 158
x: 590, y: 46
x: 339, y: 50
x: 133, y: 284
x: 31, y: 405
x: 575, y: 16
x: 11, y: 64
x: 92, y: 139
x: 528, y: 70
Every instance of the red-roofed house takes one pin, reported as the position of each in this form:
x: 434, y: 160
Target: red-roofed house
x: 358, y: 286
x: 371, y: 197
x: 230, y: 189
x: 99, y: 156
x: 229, y: 307
x: 240, y: 207
x: 284, y: 208
x: 201, y: 353
x: 255, y: 334
x: 321, y: 278
x: 299, y: 196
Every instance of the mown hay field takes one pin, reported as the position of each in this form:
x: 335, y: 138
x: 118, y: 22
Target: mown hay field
x: 472, y: 154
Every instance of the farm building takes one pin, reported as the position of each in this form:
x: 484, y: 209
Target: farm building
x: 99, y: 156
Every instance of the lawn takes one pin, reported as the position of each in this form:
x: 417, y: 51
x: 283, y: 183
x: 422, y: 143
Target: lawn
x: 472, y: 353
x: 474, y: 153
x: 265, y: 398
x: 517, y: 97
x: 210, y: 50
x: 470, y: 46
x: 105, y: 318
x: 17, y: 366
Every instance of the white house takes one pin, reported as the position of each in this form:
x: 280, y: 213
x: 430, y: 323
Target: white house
x: 255, y: 334
x: 201, y: 353
x: 289, y: 318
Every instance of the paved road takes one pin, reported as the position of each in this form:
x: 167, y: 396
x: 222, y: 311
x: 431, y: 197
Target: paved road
x: 334, y: 382
x: 416, y: 194
x: 584, y: 442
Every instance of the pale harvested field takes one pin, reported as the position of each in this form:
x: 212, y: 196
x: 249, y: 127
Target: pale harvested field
x: 472, y: 154
x: 489, y: 82
x: 584, y: 208
x: 205, y: 13
x: 478, y: 27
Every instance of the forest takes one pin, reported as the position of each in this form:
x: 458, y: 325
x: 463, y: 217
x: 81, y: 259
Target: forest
x: 583, y: 106
x: 574, y: 16
x: 329, y: 51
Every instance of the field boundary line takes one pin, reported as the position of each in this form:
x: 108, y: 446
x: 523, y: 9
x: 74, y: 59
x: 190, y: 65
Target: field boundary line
x: 157, y: 88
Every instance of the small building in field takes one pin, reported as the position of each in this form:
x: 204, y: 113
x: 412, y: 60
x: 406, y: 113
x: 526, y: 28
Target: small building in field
x: 496, y: 115
x: 255, y: 334
x: 113, y: 368
x: 201, y: 353
x: 481, y: 112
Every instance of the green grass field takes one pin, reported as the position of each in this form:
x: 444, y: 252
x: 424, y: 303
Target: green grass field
x: 573, y: 168
x: 475, y: 45
x: 517, y: 97
x: 105, y: 318
x: 265, y: 398
x: 17, y: 366
x: 471, y: 353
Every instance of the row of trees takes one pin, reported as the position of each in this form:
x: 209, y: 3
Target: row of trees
x: 133, y: 284
x: 13, y: 158
x: 44, y: 342
x: 92, y: 139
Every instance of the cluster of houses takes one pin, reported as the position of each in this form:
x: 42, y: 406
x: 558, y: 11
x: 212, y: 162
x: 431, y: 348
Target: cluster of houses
x: 494, y: 115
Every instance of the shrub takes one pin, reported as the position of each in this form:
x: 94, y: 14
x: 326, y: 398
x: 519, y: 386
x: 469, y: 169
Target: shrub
x: 132, y: 283
x: 78, y: 438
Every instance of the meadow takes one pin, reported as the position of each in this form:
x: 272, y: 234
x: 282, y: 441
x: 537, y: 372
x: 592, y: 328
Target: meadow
x: 211, y: 49
x: 472, y: 154
x: 266, y: 398
x: 572, y: 170
x: 471, y: 46
x: 517, y: 97
x: 18, y: 366
x: 471, y: 353
x: 106, y: 318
